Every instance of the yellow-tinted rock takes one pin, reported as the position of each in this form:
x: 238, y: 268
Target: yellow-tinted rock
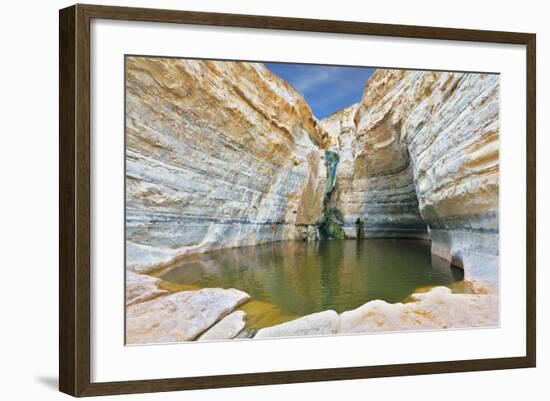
x: 141, y: 288
x: 181, y: 316
x: 435, y: 309
x: 219, y: 154
x: 424, y: 155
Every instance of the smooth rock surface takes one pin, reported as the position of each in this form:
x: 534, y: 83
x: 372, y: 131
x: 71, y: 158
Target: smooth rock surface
x: 219, y: 155
x: 436, y: 309
x: 321, y: 323
x: 227, y: 328
x: 180, y: 316
x: 141, y: 288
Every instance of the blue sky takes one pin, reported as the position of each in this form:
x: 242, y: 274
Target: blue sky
x: 326, y: 88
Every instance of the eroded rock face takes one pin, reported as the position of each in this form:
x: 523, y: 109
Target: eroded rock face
x: 347, y: 195
x: 219, y: 154
x: 223, y: 154
x: 375, y: 181
x: 425, y: 156
x: 181, y: 316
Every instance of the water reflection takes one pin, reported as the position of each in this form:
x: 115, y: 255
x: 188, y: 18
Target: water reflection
x: 301, y: 278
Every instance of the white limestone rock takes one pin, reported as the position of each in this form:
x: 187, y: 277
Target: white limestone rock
x: 425, y: 154
x: 219, y: 155
x: 435, y: 309
x: 227, y: 328
x: 180, y: 316
x: 141, y: 288
x: 316, y: 324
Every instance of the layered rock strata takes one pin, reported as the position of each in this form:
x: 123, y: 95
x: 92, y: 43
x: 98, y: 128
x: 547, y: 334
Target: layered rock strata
x: 375, y: 190
x: 423, y: 160
x: 218, y: 155
x: 224, y: 154
x: 340, y: 128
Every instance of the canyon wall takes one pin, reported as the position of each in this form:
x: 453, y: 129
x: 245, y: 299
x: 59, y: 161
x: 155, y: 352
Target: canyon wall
x: 226, y: 154
x: 347, y: 195
x: 218, y: 155
x: 375, y: 188
x: 425, y: 156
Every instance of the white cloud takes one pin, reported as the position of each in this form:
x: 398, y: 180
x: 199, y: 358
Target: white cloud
x: 313, y: 77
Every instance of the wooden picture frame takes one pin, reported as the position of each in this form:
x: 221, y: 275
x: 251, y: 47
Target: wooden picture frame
x: 74, y: 199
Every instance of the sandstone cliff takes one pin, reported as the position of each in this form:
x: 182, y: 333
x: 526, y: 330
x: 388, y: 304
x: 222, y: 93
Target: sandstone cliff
x: 256, y: 175
x: 347, y: 196
x: 422, y: 152
x: 416, y: 157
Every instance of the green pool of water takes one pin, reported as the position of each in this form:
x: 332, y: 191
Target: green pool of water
x: 298, y: 278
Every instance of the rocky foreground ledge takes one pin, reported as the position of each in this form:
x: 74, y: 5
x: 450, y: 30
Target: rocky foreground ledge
x: 154, y: 315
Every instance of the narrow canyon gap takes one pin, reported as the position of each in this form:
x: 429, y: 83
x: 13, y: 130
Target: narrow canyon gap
x: 227, y: 154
